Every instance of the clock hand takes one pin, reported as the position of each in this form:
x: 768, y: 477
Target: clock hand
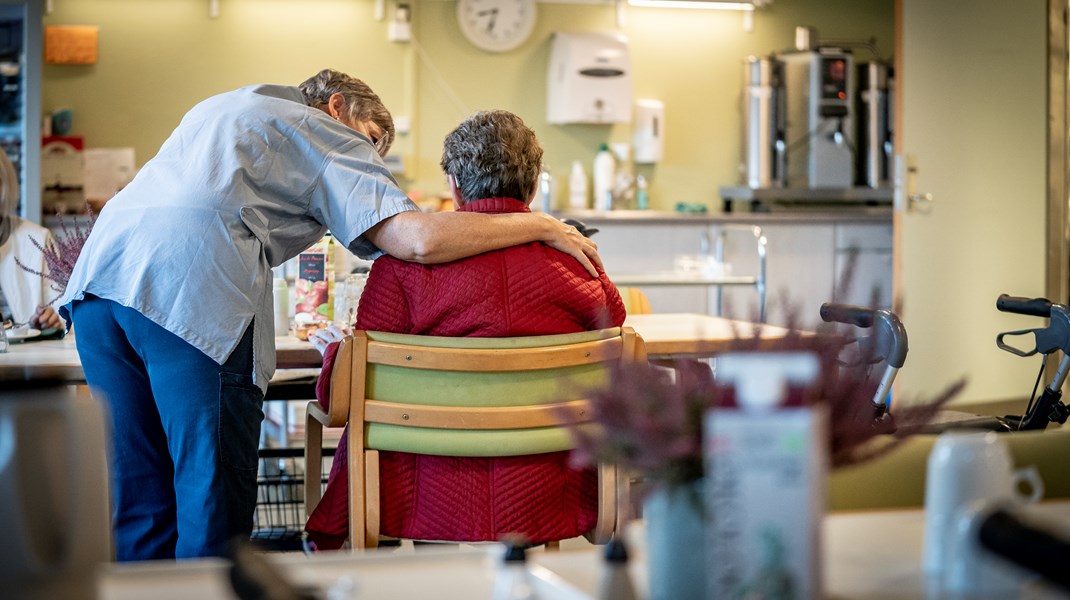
x: 493, y: 13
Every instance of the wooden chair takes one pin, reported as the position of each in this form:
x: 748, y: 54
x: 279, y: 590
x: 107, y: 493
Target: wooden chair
x: 463, y: 397
x: 635, y: 301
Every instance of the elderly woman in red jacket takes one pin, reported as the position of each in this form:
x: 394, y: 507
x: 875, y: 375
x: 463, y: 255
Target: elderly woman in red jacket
x: 492, y: 161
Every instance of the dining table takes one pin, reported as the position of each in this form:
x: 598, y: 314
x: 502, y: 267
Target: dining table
x: 866, y: 555
x: 665, y: 335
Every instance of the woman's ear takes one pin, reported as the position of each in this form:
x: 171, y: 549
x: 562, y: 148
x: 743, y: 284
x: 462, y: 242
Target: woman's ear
x: 336, y: 106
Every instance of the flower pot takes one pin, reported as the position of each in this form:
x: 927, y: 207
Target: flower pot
x: 676, y: 542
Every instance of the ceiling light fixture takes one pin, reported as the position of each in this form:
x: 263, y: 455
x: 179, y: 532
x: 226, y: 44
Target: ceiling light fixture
x: 703, y: 4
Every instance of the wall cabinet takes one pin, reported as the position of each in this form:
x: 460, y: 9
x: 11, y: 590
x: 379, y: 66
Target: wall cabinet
x: 20, y: 98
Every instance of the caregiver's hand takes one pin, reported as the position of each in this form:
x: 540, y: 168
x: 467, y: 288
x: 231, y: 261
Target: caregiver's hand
x: 566, y: 238
x: 321, y: 338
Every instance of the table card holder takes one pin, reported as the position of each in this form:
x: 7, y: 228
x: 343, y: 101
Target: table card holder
x: 766, y: 462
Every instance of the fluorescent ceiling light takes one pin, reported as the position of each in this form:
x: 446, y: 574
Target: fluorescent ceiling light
x: 704, y: 4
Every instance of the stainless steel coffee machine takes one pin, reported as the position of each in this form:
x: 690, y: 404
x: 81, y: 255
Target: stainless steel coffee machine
x: 820, y: 88
x: 807, y: 124
x: 764, y: 161
x: 875, y: 125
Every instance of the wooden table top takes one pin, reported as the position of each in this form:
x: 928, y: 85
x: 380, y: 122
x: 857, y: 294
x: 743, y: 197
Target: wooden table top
x: 665, y: 335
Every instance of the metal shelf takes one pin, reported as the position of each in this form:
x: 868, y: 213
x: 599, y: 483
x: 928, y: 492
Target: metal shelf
x: 762, y: 197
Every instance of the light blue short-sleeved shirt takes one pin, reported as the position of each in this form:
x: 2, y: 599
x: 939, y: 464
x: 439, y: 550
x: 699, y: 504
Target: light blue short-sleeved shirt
x: 248, y: 180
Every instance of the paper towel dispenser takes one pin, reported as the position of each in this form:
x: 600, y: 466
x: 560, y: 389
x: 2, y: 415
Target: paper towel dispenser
x: 590, y: 79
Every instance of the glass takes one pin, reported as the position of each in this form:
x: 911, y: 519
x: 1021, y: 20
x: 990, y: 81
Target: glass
x: 3, y: 338
x: 348, y: 299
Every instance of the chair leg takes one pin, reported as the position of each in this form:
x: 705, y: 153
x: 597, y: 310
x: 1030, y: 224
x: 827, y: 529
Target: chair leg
x: 607, y: 505
x: 313, y: 459
x: 357, y: 525
x: 624, y: 500
x: 371, y: 498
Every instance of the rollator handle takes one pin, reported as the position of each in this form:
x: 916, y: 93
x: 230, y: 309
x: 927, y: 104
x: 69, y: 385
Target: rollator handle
x: 1037, y: 307
x: 859, y: 316
x: 889, y: 338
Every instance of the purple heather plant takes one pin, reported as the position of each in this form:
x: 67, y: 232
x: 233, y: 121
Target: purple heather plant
x: 649, y: 419
x: 61, y: 254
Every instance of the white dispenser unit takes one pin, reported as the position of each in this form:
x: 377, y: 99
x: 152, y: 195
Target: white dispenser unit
x: 589, y: 80
x: 649, y: 131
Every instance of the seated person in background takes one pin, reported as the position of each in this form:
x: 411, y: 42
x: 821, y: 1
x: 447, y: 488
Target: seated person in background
x: 24, y: 296
x: 492, y: 161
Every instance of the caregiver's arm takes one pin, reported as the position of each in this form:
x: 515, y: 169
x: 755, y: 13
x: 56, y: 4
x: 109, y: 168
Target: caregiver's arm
x: 432, y: 238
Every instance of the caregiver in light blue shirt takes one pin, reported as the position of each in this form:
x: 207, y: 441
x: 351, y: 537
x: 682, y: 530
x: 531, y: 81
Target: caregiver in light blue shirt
x: 171, y: 297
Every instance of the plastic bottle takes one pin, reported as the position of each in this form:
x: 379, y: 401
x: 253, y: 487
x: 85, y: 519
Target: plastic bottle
x: 513, y: 581
x: 546, y: 190
x: 642, y: 201
x: 577, y: 187
x: 605, y: 167
x: 616, y: 583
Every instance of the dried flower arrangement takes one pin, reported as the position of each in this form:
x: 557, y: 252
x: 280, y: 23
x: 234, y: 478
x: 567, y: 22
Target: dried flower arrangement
x: 649, y: 420
x: 62, y: 252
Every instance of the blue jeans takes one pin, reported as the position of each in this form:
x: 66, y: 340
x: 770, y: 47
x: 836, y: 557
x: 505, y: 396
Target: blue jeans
x: 184, y: 438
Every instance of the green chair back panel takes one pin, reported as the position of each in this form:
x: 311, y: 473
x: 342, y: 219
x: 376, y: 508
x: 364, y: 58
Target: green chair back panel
x: 507, y: 388
x: 456, y: 388
x: 443, y: 442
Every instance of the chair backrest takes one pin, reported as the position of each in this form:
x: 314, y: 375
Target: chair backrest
x: 635, y: 301
x: 475, y: 396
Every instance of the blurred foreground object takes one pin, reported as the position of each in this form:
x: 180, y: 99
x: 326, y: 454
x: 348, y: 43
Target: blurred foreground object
x: 54, y: 514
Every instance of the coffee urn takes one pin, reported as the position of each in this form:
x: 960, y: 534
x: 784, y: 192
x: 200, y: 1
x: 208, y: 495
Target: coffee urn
x: 875, y: 125
x: 820, y: 88
x: 763, y: 164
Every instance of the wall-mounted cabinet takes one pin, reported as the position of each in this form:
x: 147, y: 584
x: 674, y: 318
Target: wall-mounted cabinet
x: 20, y: 98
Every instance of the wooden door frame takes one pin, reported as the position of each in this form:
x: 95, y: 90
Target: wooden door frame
x: 1057, y: 270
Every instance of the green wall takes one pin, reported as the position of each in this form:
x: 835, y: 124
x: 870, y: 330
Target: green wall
x: 159, y: 57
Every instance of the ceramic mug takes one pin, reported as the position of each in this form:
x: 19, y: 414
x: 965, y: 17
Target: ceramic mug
x: 964, y: 467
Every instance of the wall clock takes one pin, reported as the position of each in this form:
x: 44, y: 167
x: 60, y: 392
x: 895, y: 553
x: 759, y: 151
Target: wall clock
x: 496, y: 25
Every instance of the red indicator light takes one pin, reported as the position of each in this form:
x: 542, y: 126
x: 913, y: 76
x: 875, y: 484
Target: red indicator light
x: 842, y: 95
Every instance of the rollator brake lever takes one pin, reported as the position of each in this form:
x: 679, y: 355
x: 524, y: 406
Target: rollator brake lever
x: 1008, y: 348
x: 1056, y: 336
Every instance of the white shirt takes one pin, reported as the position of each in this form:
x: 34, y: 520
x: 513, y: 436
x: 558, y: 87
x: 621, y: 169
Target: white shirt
x: 23, y: 290
x: 248, y: 180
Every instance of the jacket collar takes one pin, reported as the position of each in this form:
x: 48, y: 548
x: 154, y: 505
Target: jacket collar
x: 495, y: 205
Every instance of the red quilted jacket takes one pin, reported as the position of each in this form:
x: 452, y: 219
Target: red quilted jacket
x: 529, y: 289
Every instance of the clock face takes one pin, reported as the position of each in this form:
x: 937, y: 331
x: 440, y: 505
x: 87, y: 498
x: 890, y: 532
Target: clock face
x: 496, y: 25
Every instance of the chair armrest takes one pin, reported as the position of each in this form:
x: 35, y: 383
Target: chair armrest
x: 337, y: 413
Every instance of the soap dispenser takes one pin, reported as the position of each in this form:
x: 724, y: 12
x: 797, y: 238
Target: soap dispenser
x: 577, y: 187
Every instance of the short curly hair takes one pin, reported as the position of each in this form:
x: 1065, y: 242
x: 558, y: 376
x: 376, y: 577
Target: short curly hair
x: 362, y: 103
x: 493, y: 154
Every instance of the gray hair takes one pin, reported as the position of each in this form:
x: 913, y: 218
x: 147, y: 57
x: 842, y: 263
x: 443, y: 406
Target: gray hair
x: 493, y: 154
x: 362, y: 104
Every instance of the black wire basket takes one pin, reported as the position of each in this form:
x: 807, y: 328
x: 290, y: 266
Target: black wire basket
x: 279, y: 521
